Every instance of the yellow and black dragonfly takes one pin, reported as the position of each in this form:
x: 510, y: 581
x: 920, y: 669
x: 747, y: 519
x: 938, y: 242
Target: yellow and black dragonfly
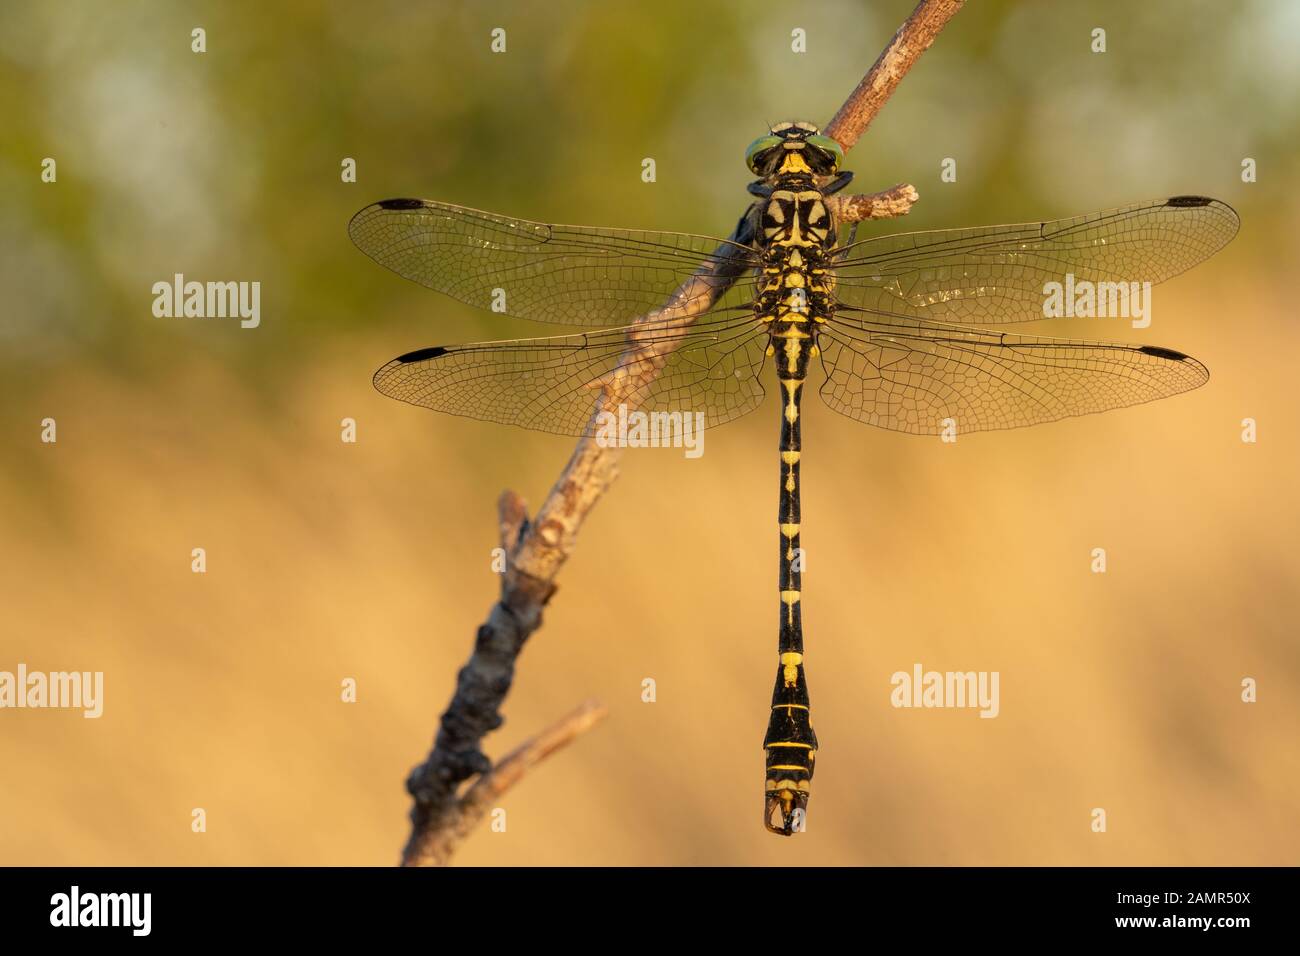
x: 685, y: 324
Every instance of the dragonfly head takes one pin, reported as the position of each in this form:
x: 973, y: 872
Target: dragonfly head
x: 792, y: 148
x: 785, y: 807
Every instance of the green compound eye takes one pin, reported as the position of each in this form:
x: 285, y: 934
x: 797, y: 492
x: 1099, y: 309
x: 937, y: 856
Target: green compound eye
x: 832, y: 149
x: 758, y: 151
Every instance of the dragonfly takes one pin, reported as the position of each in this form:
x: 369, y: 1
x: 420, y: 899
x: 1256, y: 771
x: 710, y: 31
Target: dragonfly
x: 687, y: 323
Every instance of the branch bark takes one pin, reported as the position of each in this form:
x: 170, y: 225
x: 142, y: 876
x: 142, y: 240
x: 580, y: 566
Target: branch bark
x: 536, y: 550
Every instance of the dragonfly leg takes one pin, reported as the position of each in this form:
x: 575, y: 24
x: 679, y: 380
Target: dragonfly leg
x: 838, y: 183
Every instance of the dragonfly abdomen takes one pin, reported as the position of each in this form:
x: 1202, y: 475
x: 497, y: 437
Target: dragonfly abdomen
x: 790, y: 742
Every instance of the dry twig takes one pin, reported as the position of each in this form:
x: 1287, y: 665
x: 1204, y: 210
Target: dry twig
x: 442, y: 815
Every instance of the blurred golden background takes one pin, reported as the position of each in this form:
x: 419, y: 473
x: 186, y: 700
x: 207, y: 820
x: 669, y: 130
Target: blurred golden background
x: 329, y: 560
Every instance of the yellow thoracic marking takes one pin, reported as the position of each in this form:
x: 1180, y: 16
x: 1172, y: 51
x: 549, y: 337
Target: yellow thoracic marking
x: 795, y: 236
x: 790, y: 660
x: 776, y: 211
x: 790, y: 457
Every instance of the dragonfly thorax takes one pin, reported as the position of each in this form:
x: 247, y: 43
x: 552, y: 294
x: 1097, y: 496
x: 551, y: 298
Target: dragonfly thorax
x: 797, y: 234
x: 796, y: 214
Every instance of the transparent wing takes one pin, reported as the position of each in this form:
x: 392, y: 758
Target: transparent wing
x: 568, y: 275
x: 909, y: 376
x: 554, y: 384
x: 996, y: 274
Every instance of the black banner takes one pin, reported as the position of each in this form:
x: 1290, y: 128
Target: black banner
x: 332, y: 905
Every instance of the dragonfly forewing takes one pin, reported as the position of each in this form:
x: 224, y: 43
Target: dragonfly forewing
x: 566, y: 275
x: 992, y: 275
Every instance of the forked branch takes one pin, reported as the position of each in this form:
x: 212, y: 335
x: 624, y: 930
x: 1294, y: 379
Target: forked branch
x: 444, y: 811
x: 436, y: 845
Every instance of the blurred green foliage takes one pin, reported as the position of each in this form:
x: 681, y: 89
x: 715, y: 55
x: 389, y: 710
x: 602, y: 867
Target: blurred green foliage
x: 226, y: 164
